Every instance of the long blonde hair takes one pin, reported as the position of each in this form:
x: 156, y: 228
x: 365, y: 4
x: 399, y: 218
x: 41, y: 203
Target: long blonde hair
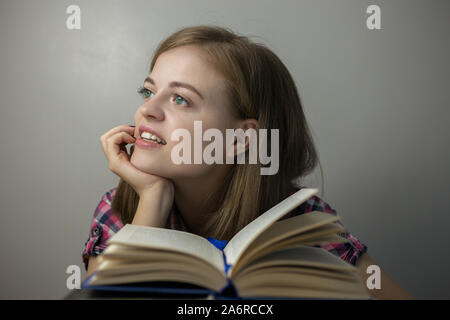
x: 259, y: 87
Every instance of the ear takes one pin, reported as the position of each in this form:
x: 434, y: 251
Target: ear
x: 240, y: 145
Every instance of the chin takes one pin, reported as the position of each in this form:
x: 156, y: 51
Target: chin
x: 148, y: 166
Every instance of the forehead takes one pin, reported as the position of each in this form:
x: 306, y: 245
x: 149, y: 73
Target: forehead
x: 192, y: 65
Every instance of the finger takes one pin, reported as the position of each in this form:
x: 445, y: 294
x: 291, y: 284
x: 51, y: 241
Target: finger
x: 117, y: 154
x: 119, y: 139
x: 121, y: 128
x: 113, y: 131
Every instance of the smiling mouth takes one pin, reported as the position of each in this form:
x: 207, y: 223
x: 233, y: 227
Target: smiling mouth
x: 147, y: 136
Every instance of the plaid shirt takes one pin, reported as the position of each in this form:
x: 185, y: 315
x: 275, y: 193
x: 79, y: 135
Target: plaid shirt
x: 105, y: 224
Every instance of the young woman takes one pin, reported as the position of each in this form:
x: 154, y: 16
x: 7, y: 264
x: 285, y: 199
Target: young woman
x: 212, y: 75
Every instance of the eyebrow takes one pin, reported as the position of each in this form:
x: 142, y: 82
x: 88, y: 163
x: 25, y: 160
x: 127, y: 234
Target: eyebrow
x: 177, y: 84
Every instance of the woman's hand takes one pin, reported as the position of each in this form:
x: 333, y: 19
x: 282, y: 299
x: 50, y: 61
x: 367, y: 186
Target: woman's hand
x: 113, y: 144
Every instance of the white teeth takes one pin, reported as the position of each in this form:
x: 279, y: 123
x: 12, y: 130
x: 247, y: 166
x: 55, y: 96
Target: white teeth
x: 149, y: 136
x: 146, y: 135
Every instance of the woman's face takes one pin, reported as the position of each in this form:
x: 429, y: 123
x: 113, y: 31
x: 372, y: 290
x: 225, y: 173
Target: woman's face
x: 183, y: 87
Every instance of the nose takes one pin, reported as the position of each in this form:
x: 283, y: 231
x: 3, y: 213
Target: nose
x: 152, y: 109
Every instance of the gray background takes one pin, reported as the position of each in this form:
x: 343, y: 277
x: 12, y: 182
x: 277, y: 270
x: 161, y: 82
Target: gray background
x: 377, y: 102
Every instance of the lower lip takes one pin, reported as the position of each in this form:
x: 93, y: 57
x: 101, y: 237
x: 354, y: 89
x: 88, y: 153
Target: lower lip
x: 145, y: 144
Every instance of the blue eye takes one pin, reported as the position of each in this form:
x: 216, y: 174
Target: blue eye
x: 144, y: 92
x: 147, y: 93
x: 179, y: 100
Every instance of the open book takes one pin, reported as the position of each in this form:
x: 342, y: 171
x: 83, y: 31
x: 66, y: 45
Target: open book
x: 269, y: 258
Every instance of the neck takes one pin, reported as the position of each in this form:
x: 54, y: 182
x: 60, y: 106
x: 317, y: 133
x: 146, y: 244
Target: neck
x: 198, y: 198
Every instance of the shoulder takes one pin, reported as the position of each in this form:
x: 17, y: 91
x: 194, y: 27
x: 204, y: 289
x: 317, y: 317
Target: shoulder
x: 104, y: 225
x: 351, y: 249
x: 104, y: 215
x: 315, y: 203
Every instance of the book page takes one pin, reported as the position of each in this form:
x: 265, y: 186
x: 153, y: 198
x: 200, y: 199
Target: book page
x: 250, y: 232
x: 318, y: 236
x: 283, y: 229
x: 169, y: 239
x: 303, y: 256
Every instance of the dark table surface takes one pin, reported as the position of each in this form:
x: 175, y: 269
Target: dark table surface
x: 84, y: 294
